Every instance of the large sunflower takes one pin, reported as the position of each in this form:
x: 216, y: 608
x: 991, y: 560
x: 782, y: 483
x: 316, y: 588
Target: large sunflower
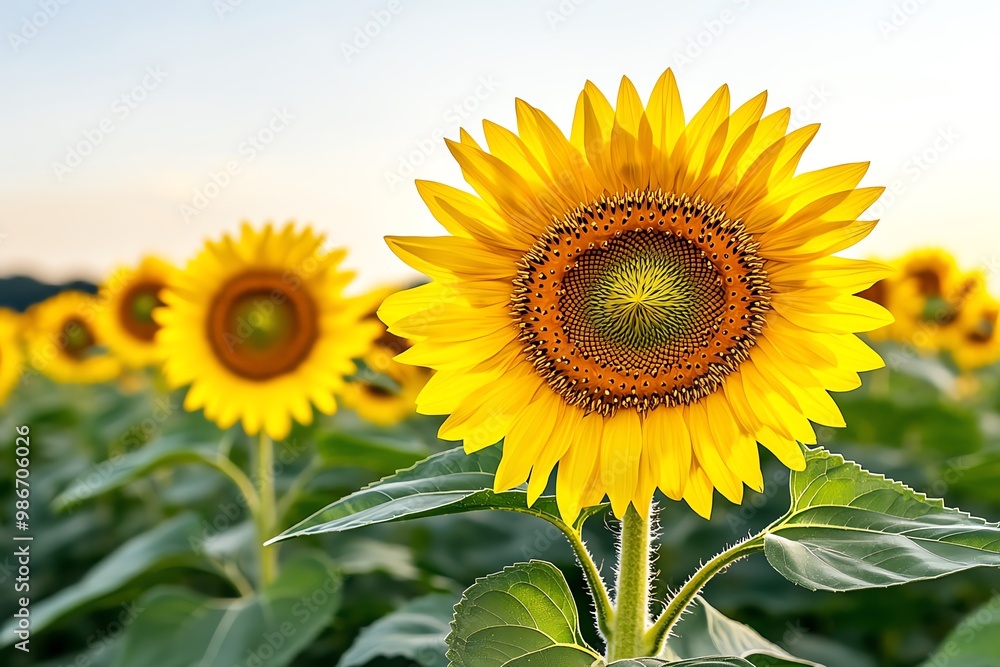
x: 384, y: 403
x: 11, y: 354
x: 128, y: 298
x: 258, y: 326
x: 64, y: 342
x: 642, y: 302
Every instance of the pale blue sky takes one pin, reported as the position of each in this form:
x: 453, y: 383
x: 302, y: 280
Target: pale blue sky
x: 337, y: 121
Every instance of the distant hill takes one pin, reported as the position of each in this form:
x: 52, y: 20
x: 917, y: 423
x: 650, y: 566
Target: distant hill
x: 19, y: 292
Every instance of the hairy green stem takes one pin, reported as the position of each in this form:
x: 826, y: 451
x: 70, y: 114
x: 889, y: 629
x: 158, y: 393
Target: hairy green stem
x: 628, y: 635
x: 657, y: 635
x: 598, y: 591
x: 266, y: 516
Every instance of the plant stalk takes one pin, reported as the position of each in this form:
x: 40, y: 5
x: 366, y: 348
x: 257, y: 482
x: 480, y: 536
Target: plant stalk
x: 628, y: 635
x: 267, y: 513
x: 658, y: 634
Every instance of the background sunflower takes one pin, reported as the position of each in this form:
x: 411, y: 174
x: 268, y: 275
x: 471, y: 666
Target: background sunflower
x: 11, y: 352
x: 64, y: 341
x: 384, y: 391
x: 128, y: 297
x: 259, y: 327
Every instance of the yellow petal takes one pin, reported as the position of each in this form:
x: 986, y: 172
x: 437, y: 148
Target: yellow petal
x: 621, y: 448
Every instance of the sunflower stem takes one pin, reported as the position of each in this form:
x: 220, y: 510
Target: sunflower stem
x: 628, y: 634
x: 657, y: 635
x: 598, y: 591
x: 266, y: 516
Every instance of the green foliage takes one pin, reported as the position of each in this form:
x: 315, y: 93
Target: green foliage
x: 166, y: 545
x: 524, y: 615
x: 849, y: 529
x: 451, y: 482
x: 416, y: 631
x: 706, y: 632
x: 179, y: 628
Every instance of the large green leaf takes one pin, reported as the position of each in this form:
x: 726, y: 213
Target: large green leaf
x: 180, y: 628
x: 704, y: 631
x: 169, y: 544
x: 524, y: 615
x: 447, y: 483
x: 974, y: 643
x: 416, y: 631
x: 849, y: 529
x: 171, y: 450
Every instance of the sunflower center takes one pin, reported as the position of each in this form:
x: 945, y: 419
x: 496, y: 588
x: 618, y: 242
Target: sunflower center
x: 640, y: 300
x: 644, y: 298
x: 136, y: 314
x: 262, y: 326
x: 78, y: 337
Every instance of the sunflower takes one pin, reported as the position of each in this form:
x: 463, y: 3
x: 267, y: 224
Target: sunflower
x: 64, y: 342
x: 640, y: 303
x: 11, y: 354
x: 975, y: 341
x: 128, y: 298
x: 373, y: 400
x: 258, y: 326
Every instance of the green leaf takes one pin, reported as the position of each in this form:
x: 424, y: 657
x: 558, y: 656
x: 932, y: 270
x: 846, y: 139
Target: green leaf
x: 511, y: 617
x: 697, y: 662
x: 704, y: 631
x: 169, y: 544
x: 180, y: 628
x: 849, y: 529
x: 171, y: 450
x: 356, y: 443
x: 447, y: 483
x: 974, y: 643
x: 416, y: 631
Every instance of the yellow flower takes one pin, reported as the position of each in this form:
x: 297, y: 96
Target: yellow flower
x: 375, y: 402
x: 11, y: 354
x: 128, y: 298
x: 925, y: 295
x: 642, y: 302
x: 258, y: 326
x: 64, y: 342
x: 974, y: 341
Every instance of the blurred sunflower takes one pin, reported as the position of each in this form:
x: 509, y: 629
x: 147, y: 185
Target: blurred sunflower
x: 379, y: 402
x: 128, y: 298
x: 642, y: 302
x: 11, y: 354
x: 259, y: 328
x: 975, y: 341
x: 925, y: 295
x: 64, y: 342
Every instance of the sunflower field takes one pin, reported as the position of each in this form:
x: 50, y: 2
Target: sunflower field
x: 640, y: 411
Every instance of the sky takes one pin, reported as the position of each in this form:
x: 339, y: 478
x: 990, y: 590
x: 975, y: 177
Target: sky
x: 135, y: 127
